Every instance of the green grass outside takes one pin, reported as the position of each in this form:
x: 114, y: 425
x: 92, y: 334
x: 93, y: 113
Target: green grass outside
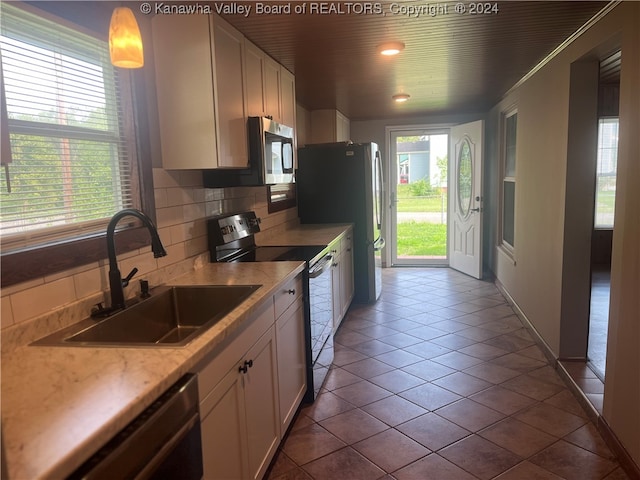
x: 432, y: 202
x: 422, y: 239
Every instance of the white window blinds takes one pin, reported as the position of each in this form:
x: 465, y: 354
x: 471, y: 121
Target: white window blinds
x: 70, y: 170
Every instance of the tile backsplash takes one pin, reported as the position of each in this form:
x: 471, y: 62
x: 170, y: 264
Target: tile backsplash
x: 182, y: 206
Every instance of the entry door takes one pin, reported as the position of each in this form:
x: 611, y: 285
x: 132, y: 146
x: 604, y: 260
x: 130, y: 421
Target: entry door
x: 418, y: 193
x: 465, y: 199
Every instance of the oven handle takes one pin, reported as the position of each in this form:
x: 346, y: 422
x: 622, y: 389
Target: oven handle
x: 320, y: 267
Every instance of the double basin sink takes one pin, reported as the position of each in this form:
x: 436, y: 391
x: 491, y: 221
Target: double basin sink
x: 172, y: 316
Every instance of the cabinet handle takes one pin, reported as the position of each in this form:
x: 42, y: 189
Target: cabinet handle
x: 291, y: 291
x: 246, y: 366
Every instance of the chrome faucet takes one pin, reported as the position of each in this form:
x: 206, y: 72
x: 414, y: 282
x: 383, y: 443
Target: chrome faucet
x: 116, y: 282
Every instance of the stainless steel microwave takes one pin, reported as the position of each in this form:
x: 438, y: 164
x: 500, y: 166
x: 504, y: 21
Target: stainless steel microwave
x: 270, y: 157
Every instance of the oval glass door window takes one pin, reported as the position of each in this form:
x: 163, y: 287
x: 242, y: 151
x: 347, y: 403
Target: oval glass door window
x: 465, y: 178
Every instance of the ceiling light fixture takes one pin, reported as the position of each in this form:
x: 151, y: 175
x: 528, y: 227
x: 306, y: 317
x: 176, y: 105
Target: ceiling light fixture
x: 125, y: 41
x: 401, y: 97
x: 391, y: 48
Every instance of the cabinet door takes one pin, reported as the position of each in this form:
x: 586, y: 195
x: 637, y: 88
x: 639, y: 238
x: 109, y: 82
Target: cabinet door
x: 224, y: 451
x: 343, y: 130
x: 272, y: 89
x: 184, y: 87
x: 287, y: 98
x: 292, y: 376
x: 254, y: 60
x: 229, y: 90
x: 261, y: 404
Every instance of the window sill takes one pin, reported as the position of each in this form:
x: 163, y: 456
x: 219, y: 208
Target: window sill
x: 25, y: 265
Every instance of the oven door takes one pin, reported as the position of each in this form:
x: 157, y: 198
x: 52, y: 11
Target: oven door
x: 321, y: 319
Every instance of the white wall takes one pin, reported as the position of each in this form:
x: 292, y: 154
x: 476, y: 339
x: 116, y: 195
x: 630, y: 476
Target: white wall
x: 534, y: 279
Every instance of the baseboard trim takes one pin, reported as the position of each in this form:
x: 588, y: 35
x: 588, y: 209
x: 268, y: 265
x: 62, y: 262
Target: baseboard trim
x: 624, y: 458
x: 627, y: 463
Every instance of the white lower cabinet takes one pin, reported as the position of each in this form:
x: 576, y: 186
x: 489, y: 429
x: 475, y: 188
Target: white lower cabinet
x: 292, y: 375
x: 240, y: 414
x: 342, y: 277
x: 251, y: 388
x: 223, y: 424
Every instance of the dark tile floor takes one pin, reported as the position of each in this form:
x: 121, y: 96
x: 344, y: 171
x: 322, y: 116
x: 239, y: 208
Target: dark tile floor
x: 439, y: 380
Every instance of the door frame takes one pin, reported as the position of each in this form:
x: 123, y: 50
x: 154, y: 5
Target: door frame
x: 389, y: 256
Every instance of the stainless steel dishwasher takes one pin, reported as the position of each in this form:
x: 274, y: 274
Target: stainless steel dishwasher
x: 162, y: 443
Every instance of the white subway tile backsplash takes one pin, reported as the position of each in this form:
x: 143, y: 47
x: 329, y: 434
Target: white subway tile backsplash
x: 191, y: 178
x: 182, y: 206
x: 43, y: 298
x: 166, y: 217
x: 91, y: 282
x: 160, y: 196
x: 165, y: 178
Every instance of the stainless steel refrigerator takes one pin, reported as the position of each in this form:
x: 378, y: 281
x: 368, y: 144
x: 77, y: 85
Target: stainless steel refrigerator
x: 343, y: 183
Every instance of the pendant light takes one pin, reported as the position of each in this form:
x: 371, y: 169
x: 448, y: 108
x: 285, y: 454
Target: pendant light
x: 401, y: 97
x: 125, y: 41
x: 390, y: 48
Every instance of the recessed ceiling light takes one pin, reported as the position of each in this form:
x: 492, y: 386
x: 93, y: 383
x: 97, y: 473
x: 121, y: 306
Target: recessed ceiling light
x: 401, y: 97
x: 391, y: 48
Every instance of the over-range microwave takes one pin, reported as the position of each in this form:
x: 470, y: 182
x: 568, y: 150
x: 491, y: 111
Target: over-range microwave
x: 270, y: 157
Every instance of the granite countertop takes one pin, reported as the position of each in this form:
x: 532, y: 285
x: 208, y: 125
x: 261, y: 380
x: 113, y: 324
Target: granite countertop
x: 307, y: 234
x: 61, y: 404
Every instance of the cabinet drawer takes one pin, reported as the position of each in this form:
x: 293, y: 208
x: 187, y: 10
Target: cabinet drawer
x: 214, y: 371
x: 287, y: 295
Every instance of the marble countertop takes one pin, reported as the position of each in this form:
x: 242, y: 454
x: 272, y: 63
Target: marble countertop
x: 61, y: 404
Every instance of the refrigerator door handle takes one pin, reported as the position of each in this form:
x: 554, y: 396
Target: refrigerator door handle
x: 379, y: 188
x: 379, y: 244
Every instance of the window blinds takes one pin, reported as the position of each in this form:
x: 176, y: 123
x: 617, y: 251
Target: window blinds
x: 70, y: 171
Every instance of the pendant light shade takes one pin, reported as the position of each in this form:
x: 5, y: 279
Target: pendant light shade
x: 401, y: 97
x: 125, y: 41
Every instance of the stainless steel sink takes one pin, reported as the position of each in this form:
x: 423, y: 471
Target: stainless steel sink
x: 172, y: 316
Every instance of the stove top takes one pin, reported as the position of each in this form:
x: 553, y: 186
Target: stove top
x: 232, y: 239
x: 309, y: 254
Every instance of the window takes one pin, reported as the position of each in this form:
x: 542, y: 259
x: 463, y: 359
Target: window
x: 72, y: 161
x: 510, y: 124
x: 70, y: 169
x: 606, y: 172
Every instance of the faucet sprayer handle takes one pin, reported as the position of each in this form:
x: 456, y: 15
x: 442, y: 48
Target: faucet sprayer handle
x: 127, y: 279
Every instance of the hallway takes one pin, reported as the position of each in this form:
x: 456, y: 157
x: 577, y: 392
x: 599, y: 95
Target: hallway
x: 439, y: 380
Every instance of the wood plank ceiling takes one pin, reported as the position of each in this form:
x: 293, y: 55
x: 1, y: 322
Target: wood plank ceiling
x: 452, y: 63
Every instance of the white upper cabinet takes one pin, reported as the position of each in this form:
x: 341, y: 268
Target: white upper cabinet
x: 329, y: 126
x: 272, y: 88
x: 184, y: 85
x: 287, y: 98
x: 254, y: 63
x: 230, y: 95
x: 209, y: 79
